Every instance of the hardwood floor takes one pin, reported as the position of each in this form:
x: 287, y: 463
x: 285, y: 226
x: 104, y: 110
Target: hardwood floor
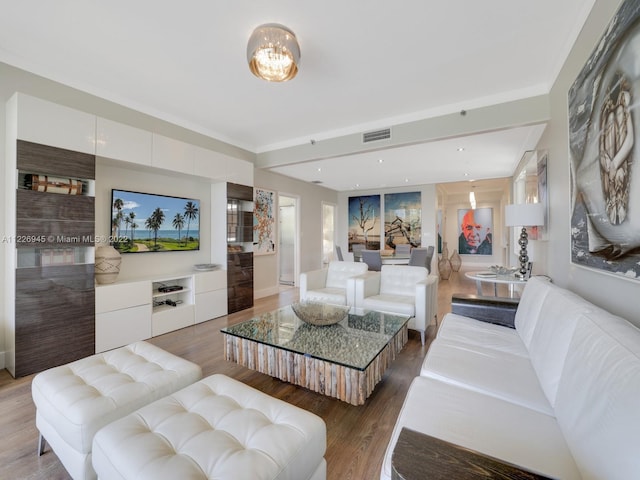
x: 357, y: 437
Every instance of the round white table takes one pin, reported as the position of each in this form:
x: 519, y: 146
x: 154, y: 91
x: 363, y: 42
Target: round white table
x: 490, y: 277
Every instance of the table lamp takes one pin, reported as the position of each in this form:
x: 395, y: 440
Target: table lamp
x: 524, y: 215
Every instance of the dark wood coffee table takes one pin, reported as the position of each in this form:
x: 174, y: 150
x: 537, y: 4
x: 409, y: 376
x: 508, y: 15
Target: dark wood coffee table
x: 344, y: 361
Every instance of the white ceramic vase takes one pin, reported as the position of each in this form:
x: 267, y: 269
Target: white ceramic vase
x: 107, y: 264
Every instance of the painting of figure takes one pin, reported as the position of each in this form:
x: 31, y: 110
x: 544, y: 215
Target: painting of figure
x: 475, y: 233
x: 603, y: 123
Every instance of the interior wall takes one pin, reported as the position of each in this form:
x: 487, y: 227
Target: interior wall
x: 110, y: 174
x: 614, y: 293
x: 265, y: 267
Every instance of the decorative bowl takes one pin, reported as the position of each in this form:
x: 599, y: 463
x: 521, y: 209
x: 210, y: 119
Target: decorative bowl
x: 319, y: 314
x: 500, y: 270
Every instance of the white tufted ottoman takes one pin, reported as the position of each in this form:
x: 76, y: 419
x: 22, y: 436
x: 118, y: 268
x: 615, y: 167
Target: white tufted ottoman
x: 217, y: 428
x: 76, y: 400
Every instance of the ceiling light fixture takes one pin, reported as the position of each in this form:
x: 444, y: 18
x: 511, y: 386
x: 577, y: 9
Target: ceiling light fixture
x: 273, y: 53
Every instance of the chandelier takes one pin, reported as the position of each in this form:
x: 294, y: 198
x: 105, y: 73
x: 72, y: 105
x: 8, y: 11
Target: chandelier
x: 273, y: 53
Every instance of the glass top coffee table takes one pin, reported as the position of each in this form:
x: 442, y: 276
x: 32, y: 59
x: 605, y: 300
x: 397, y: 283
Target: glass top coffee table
x: 345, y: 360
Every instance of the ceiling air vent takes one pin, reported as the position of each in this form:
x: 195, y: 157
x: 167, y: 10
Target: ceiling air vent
x: 376, y: 135
x: 317, y: 182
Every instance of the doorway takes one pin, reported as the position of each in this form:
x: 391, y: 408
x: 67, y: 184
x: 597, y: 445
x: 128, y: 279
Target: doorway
x: 288, y: 221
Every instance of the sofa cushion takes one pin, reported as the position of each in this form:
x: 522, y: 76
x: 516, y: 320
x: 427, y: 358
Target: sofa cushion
x: 339, y: 272
x: 597, y: 404
x: 500, y: 374
x: 550, y: 341
x: 501, y: 429
x: 465, y: 330
x: 528, y: 311
x: 401, y: 304
x: 401, y: 279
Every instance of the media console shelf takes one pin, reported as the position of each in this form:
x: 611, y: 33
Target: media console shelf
x: 137, y: 309
x: 172, y: 310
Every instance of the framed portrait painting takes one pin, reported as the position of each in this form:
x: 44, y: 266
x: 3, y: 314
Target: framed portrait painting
x: 475, y: 231
x: 604, y: 155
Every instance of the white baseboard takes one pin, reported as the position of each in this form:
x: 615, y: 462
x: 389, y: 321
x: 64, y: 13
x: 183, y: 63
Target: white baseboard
x: 266, y: 292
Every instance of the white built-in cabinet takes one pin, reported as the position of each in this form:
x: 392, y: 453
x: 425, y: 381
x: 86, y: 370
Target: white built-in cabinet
x: 123, y: 314
x: 123, y: 142
x: 51, y: 124
x: 171, y: 154
x: 210, y: 295
x: 125, y: 310
x: 128, y: 311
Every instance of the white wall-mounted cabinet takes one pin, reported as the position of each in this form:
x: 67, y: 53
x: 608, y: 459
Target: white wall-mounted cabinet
x: 210, y: 164
x: 51, y: 124
x: 240, y: 171
x: 171, y: 154
x: 123, y: 142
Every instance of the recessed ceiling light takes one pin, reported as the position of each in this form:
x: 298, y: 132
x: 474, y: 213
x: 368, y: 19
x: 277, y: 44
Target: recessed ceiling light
x: 319, y: 169
x: 380, y: 160
x: 466, y: 174
x: 406, y: 180
x: 461, y: 149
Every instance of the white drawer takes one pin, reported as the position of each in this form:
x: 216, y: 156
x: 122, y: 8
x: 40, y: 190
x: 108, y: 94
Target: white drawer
x: 122, y: 295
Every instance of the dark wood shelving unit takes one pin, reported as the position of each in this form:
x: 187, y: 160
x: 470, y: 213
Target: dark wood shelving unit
x: 239, y: 263
x: 54, y: 299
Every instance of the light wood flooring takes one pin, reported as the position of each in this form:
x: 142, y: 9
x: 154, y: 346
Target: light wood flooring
x: 356, y: 436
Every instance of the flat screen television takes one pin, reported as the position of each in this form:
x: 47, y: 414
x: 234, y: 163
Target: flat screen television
x: 149, y: 222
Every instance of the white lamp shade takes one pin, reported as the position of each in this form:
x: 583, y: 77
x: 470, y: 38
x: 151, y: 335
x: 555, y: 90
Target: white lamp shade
x: 524, y: 215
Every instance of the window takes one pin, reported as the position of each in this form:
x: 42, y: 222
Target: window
x: 328, y: 232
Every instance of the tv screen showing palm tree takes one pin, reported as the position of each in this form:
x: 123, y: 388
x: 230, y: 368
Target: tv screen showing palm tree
x: 147, y: 222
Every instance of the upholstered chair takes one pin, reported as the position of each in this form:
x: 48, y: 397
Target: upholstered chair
x: 331, y: 285
x: 401, y: 289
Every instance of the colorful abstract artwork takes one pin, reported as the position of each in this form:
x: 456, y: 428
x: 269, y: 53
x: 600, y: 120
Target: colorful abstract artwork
x: 264, y: 222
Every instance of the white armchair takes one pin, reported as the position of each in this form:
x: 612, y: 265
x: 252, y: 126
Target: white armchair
x: 331, y: 285
x: 401, y: 289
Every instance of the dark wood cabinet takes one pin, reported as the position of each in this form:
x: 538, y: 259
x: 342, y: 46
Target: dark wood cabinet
x: 239, y: 281
x: 239, y: 261
x: 54, y: 320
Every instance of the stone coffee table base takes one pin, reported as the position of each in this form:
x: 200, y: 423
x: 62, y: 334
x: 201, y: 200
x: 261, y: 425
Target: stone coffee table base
x: 350, y: 385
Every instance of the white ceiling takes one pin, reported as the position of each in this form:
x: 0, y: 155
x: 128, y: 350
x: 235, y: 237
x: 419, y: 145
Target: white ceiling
x: 364, y: 64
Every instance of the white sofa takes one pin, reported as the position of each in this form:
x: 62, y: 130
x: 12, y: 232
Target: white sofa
x: 331, y: 285
x: 558, y: 395
x: 400, y: 289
